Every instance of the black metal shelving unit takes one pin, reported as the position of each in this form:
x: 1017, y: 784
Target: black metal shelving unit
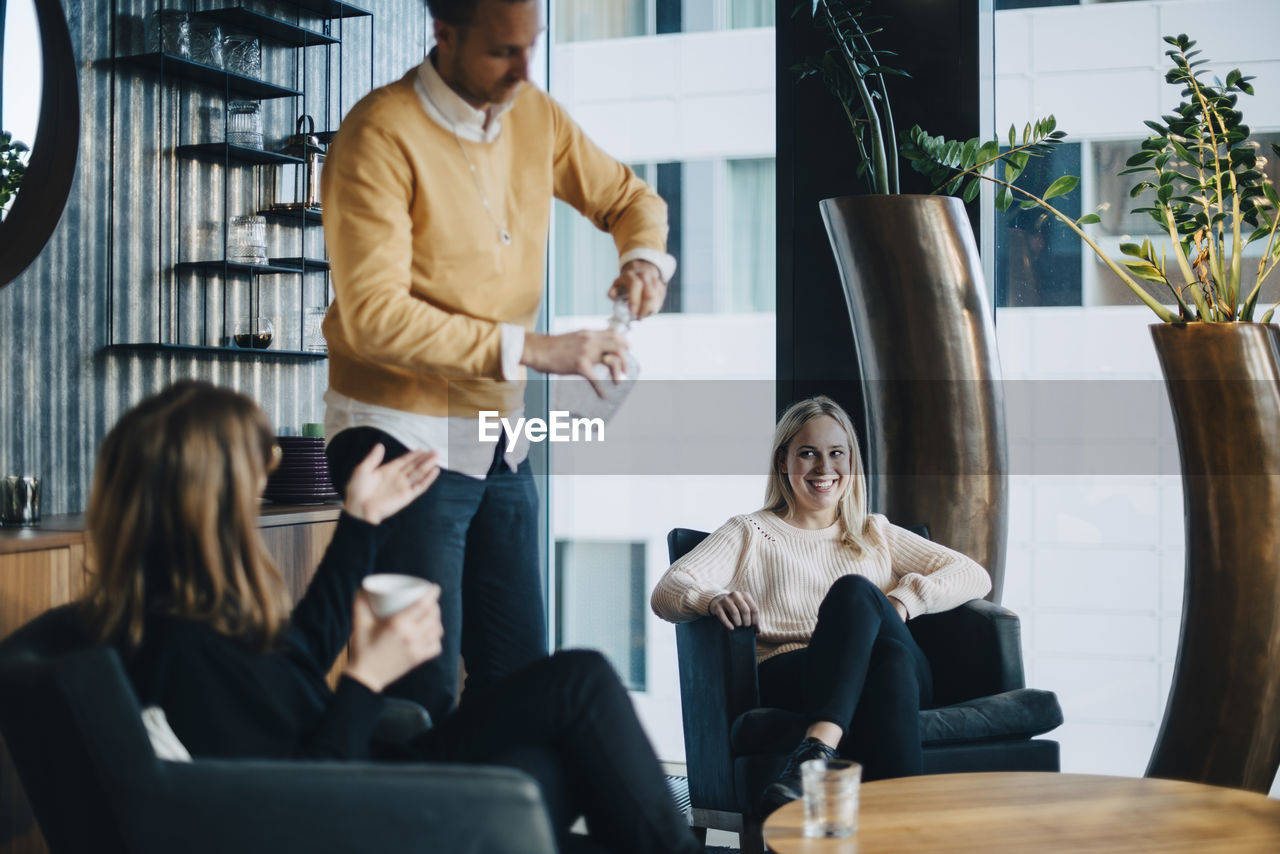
x: 279, y: 31
x: 210, y: 285
x: 230, y: 351
x: 221, y: 152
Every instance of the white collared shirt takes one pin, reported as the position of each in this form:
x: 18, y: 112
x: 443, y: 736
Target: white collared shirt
x: 456, y: 438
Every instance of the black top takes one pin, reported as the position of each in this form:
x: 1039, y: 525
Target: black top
x: 223, y: 699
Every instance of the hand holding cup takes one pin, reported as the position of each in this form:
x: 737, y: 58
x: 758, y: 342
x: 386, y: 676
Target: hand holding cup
x: 395, y: 627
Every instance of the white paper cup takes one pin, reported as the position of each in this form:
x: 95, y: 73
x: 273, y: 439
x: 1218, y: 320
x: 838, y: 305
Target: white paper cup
x: 390, y: 592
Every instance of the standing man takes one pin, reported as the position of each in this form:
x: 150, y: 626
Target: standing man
x: 437, y: 199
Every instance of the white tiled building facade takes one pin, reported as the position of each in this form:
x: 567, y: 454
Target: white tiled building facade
x: 1095, y: 567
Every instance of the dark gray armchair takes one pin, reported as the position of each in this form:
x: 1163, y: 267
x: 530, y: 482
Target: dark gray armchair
x: 71, y: 722
x: 986, y: 719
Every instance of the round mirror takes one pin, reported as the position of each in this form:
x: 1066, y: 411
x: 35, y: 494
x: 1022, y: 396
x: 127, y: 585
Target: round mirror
x: 39, y: 128
x: 19, y: 95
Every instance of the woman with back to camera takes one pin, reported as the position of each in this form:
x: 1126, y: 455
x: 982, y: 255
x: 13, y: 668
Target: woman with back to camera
x: 184, y: 588
x: 829, y: 588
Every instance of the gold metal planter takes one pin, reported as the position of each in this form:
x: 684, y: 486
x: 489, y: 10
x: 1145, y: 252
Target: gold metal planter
x: 935, y: 449
x: 1222, y: 722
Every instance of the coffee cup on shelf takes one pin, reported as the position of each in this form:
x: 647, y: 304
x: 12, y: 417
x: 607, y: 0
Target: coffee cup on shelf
x: 390, y: 592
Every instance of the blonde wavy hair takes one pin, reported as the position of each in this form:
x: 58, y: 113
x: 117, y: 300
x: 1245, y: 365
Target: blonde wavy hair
x: 851, y: 512
x: 172, y: 522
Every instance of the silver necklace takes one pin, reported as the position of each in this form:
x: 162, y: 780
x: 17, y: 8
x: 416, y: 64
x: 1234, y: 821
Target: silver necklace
x: 503, y: 233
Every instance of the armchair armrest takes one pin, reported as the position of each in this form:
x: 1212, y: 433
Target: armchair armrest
x: 261, y: 807
x: 974, y: 650
x: 717, y: 683
x: 399, y: 722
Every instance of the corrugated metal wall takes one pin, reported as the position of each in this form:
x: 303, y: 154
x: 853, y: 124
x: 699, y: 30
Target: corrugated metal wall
x: 106, y: 273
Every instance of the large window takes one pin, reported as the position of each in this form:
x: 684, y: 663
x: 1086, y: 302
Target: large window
x: 693, y: 115
x: 591, y: 20
x: 1041, y: 263
x: 723, y: 219
x: 1037, y: 259
x: 602, y: 603
x: 1095, y: 566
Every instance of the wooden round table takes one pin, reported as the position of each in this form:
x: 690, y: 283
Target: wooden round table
x: 1042, y: 812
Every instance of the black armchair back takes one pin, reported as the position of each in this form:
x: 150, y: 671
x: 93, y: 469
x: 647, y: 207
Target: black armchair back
x: 72, y: 724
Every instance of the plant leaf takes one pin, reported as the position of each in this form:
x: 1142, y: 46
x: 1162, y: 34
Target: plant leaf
x: 1062, y: 186
x: 1258, y: 234
x: 1004, y: 198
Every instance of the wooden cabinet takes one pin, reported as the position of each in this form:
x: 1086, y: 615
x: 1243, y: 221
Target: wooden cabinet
x: 32, y: 582
x: 44, y: 567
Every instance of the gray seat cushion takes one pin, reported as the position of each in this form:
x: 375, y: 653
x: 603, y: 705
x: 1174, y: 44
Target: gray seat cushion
x: 1011, y: 716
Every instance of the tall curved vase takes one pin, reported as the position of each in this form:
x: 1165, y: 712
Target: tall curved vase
x: 1222, y: 721
x: 935, y: 445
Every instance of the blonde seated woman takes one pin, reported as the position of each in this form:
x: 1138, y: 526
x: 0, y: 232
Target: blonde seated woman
x: 829, y: 588
x: 184, y: 588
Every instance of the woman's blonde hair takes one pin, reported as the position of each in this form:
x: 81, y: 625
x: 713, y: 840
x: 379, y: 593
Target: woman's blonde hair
x: 172, y: 523
x: 851, y: 512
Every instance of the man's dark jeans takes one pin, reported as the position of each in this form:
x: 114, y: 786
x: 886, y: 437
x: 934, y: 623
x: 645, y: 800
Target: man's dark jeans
x: 477, y: 539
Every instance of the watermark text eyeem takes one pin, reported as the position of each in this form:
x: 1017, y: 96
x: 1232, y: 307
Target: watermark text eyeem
x: 558, y: 427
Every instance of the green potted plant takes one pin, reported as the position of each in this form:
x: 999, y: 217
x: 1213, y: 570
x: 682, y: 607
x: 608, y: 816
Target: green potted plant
x: 855, y: 75
x: 1201, y: 171
x: 13, y: 168
x: 1199, y: 177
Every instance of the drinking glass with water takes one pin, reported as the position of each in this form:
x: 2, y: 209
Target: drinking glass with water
x: 830, y: 797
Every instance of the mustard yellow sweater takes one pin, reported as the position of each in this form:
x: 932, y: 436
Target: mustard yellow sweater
x: 421, y: 280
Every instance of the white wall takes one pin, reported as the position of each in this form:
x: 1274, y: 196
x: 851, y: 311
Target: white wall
x: 1100, y: 68
x: 673, y: 97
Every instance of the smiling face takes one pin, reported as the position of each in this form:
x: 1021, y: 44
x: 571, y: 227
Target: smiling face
x: 486, y: 60
x: 816, y: 464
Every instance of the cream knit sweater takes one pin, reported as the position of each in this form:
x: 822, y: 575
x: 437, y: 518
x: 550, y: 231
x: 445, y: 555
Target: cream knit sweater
x: 789, y: 570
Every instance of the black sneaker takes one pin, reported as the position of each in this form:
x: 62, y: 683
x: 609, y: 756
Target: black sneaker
x: 787, y: 786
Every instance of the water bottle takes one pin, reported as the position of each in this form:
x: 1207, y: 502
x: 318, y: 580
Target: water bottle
x: 576, y: 396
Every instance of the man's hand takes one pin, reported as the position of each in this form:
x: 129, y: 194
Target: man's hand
x: 734, y: 609
x: 577, y: 353
x: 642, y: 282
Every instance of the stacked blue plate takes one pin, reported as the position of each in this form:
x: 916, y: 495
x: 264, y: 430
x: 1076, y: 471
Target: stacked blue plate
x: 303, y: 474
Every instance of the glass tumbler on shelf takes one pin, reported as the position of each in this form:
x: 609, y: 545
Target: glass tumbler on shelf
x: 244, y: 124
x: 170, y: 33
x: 313, y: 340
x: 206, y: 43
x: 242, y: 54
x: 247, y: 239
x: 254, y: 333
